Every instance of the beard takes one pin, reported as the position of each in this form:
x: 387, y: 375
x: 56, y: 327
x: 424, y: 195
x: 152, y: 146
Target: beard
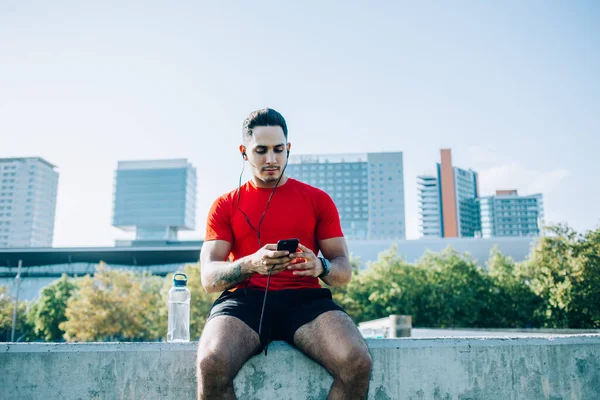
x: 268, y: 178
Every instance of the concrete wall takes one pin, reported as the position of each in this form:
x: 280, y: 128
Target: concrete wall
x: 564, y: 367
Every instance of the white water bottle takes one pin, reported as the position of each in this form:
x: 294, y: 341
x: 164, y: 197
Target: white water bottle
x: 179, y: 310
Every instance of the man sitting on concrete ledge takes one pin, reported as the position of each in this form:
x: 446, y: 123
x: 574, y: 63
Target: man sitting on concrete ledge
x: 276, y: 295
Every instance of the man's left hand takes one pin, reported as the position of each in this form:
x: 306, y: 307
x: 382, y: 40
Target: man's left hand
x: 305, y: 263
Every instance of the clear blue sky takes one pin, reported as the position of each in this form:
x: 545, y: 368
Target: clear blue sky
x: 512, y: 87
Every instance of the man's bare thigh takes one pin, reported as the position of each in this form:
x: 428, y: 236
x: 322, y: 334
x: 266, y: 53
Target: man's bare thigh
x: 329, y: 337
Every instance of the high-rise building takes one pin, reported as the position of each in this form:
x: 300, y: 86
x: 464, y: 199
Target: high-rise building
x: 430, y: 208
x: 368, y: 190
x: 447, y: 201
x: 28, y: 189
x: 156, y: 198
x: 508, y: 214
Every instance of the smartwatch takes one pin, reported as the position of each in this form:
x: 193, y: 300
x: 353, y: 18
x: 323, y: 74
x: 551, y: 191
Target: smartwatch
x: 326, y: 267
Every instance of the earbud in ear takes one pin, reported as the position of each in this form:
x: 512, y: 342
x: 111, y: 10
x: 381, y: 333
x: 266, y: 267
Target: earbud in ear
x: 288, y: 153
x: 244, y: 155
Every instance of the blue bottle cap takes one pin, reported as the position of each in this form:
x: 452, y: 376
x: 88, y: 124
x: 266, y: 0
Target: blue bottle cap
x: 179, y: 281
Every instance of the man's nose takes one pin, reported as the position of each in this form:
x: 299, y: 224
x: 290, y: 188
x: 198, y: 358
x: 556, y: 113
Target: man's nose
x: 271, y: 159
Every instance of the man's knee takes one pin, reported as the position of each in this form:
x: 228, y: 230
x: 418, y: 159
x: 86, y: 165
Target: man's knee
x: 355, y: 364
x: 364, y: 363
x: 213, y: 366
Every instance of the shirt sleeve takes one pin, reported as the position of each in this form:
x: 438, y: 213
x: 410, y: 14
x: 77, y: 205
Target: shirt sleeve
x: 218, y: 226
x: 328, y: 218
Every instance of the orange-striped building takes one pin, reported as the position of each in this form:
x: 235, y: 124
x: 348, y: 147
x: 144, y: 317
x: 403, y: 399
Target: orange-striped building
x: 447, y: 201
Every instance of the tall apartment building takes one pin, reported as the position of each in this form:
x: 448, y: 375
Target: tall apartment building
x: 508, y: 214
x: 155, y: 198
x: 430, y: 208
x: 367, y: 188
x: 28, y: 190
x: 447, y: 201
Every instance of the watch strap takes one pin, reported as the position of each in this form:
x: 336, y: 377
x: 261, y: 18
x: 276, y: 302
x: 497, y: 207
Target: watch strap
x: 326, y: 267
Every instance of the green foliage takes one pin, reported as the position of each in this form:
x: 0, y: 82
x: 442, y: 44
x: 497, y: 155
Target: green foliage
x: 458, y: 291
x: 388, y: 286
x: 114, y: 305
x: 515, y: 305
x: 23, y: 329
x: 564, y: 272
x: 441, y: 290
x: 49, y: 311
x: 558, y: 286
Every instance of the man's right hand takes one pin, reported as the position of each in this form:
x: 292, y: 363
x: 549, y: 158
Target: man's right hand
x: 269, y: 257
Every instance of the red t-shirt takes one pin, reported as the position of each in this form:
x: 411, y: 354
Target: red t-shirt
x: 297, y: 210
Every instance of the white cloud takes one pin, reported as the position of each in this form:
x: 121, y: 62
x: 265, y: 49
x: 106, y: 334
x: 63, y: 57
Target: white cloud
x: 525, y: 180
x: 548, y: 181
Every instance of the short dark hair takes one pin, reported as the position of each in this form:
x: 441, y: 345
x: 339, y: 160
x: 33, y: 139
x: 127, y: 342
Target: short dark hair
x: 264, y: 117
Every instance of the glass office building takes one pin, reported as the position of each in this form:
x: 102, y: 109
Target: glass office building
x: 508, y: 214
x: 447, y: 201
x: 465, y: 183
x: 368, y: 190
x: 155, y: 198
x: 28, y: 191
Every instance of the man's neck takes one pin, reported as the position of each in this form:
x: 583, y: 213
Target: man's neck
x: 268, y: 185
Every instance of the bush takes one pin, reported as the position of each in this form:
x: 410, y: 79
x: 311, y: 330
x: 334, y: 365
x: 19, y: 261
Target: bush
x: 48, y: 312
x: 564, y: 272
x: 114, y: 305
x: 23, y: 329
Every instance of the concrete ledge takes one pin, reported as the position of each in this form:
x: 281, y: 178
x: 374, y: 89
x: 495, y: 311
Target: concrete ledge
x: 560, y: 367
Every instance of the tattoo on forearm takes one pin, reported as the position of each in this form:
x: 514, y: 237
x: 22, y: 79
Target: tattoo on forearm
x: 227, y: 277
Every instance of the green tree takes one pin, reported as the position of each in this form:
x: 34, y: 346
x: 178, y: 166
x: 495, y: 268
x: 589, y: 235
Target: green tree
x: 564, y: 270
x: 514, y: 304
x: 23, y: 330
x: 48, y: 312
x: 114, y: 305
x: 387, y: 286
x: 586, y: 298
x: 558, y: 286
x: 459, y: 292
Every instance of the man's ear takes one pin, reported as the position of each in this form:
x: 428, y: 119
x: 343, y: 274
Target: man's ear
x: 243, y: 151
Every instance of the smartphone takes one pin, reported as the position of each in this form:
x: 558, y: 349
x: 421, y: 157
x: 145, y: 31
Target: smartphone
x: 290, y: 245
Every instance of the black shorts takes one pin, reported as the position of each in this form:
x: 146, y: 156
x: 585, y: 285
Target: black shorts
x: 285, y: 311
